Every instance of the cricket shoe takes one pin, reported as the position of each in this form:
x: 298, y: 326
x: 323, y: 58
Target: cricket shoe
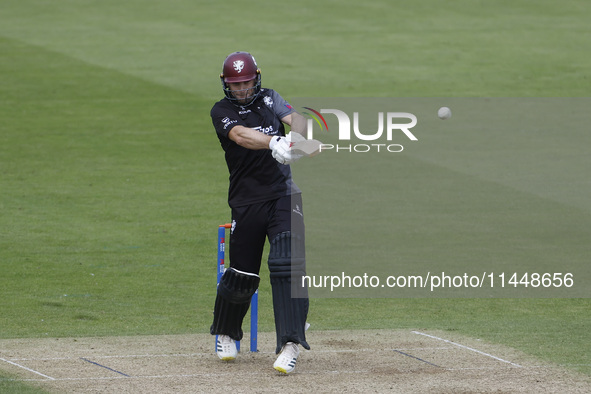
x: 288, y: 356
x: 226, y: 348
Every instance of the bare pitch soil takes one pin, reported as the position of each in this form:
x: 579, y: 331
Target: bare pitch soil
x: 340, y: 361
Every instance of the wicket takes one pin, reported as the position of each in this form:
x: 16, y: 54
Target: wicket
x: 254, y: 302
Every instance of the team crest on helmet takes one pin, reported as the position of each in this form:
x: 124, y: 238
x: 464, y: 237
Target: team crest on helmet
x: 238, y: 65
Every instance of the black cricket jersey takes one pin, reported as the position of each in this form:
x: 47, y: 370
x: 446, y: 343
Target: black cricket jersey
x: 255, y: 176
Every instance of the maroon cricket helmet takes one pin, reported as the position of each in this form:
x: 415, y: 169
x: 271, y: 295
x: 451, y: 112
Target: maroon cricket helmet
x: 240, y: 67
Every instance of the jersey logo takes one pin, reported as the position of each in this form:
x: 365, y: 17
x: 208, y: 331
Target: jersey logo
x: 270, y: 130
x: 227, y: 122
x: 268, y: 100
x: 298, y: 210
x: 238, y: 65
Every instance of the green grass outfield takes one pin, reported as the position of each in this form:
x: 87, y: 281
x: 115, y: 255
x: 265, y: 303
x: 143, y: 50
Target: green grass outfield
x: 112, y: 181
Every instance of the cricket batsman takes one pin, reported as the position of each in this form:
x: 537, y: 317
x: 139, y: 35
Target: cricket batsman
x: 265, y: 204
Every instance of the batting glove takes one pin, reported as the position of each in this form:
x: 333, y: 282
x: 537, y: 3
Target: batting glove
x: 280, y: 149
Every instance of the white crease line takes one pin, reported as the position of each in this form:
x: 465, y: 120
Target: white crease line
x: 209, y: 354
x: 345, y: 350
x: 42, y: 359
x: 480, y: 369
x: 27, y: 369
x: 425, y: 348
x: 468, y: 348
x: 206, y: 374
x: 115, y: 356
x: 120, y: 356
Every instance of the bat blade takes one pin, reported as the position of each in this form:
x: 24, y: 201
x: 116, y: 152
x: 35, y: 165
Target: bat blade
x: 307, y: 147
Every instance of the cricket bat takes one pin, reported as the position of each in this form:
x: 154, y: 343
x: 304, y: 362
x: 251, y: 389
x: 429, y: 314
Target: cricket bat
x: 301, y: 145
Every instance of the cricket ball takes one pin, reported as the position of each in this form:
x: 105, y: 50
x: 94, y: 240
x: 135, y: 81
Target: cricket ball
x: 444, y: 113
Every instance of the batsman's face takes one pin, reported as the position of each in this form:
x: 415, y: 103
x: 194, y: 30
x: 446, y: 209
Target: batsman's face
x: 242, y: 91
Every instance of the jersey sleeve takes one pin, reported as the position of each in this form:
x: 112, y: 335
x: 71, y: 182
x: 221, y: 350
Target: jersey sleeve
x: 280, y: 106
x: 224, y: 120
